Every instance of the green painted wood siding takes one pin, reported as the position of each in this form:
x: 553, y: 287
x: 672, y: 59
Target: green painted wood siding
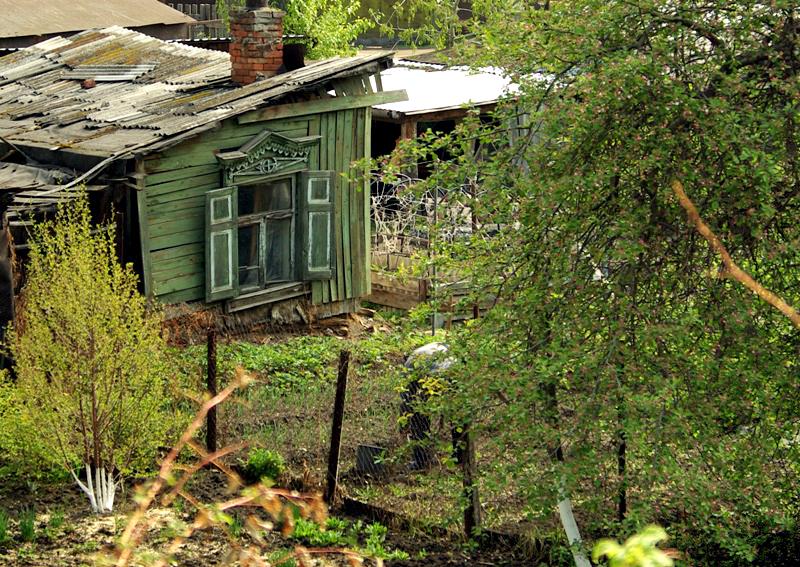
x: 178, y: 179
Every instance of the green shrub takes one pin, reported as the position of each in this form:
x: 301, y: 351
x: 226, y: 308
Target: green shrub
x: 27, y: 524
x: 91, y: 380
x: 263, y: 463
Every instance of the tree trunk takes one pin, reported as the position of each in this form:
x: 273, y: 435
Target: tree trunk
x: 100, y: 491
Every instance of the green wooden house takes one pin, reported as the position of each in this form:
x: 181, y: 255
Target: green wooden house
x: 230, y: 179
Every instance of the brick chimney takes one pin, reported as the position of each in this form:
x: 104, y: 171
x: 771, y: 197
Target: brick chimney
x: 257, y: 46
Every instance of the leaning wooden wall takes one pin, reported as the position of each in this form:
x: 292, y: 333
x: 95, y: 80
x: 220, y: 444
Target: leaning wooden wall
x: 345, y: 138
x: 177, y: 180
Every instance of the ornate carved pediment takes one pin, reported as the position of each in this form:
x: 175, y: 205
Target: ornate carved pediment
x: 266, y: 154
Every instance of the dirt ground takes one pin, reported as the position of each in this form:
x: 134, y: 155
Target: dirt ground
x: 294, y: 421
x: 78, y: 538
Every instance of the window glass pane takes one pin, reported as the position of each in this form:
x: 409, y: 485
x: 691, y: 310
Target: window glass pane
x: 265, y: 197
x: 248, y: 256
x: 248, y: 278
x: 319, y: 236
x: 278, y: 235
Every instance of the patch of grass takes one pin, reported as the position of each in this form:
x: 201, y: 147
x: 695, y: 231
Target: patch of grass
x: 55, y: 524
x: 276, y: 556
x: 89, y: 546
x: 4, y: 519
x: 286, y: 365
x: 236, y: 527
x: 27, y: 525
x: 56, y: 519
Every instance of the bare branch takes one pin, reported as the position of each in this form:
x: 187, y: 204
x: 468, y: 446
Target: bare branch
x: 730, y: 268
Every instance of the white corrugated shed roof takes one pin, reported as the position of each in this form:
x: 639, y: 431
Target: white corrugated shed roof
x: 434, y: 88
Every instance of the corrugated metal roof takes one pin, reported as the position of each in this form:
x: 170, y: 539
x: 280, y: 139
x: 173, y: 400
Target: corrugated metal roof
x: 42, y: 102
x: 108, y: 73
x: 33, y: 17
x: 36, y: 188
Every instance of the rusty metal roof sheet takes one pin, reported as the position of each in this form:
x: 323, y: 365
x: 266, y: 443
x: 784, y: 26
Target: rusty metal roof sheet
x: 169, y: 91
x: 33, y: 17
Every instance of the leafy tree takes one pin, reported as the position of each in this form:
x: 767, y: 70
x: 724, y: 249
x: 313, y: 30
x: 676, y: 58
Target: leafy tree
x: 329, y: 26
x: 621, y: 362
x: 89, y: 354
x: 424, y: 22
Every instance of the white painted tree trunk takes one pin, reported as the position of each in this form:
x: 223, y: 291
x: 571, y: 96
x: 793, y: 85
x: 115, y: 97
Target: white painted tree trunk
x: 100, y: 490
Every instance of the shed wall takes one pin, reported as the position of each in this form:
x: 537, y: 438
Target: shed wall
x: 177, y: 180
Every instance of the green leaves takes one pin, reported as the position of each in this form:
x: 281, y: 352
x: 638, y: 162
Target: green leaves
x: 330, y: 26
x: 610, y: 320
x: 638, y: 550
x: 89, y: 353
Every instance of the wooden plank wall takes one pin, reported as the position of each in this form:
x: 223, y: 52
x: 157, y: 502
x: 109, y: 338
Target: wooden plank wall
x: 178, y: 179
x: 344, y: 139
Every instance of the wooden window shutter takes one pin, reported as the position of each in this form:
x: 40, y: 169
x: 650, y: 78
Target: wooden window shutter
x: 222, y: 262
x: 316, y: 199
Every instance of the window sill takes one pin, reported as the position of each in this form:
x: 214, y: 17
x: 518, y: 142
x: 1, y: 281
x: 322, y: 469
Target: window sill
x: 271, y: 294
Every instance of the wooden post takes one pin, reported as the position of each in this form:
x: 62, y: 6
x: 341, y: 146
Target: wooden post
x: 469, y: 466
x: 336, y: 428
x: 473, y: 191
x: 211, y: 382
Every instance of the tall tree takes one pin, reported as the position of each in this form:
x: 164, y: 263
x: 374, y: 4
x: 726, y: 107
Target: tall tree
x: 618, y: 338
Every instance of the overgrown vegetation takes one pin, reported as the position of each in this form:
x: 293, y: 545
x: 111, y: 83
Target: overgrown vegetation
x: 263, y: 465
x: 90, y: 391
x: 622, y: 364
x: 328, y: 27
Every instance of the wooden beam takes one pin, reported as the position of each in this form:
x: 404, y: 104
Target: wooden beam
x: 332, y: 477
x: 144, y: 229
x: 322, y: 105
x: 431, y: 115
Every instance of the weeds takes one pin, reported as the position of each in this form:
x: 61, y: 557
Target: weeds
x: 280, y: 506
x: 3, y: 526
x: 27, y: 525
x: 89, y: 546
x: 55, y: 524
x: 339, y: 533
x: 263, y: 463
x: 56, y: 519
x: 374, y: 545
